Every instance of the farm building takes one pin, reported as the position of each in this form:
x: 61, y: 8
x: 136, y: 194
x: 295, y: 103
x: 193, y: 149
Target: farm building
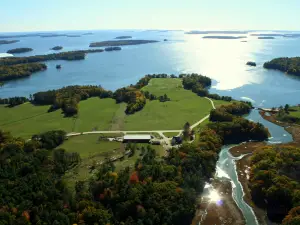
x: 176, y: 140
x: 137, y: 138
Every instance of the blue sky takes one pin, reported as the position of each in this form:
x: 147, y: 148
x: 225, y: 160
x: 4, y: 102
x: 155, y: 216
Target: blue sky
x: 43, y: 15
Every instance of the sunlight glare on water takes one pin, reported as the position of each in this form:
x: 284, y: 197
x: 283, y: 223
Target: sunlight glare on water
x: 222, y: 60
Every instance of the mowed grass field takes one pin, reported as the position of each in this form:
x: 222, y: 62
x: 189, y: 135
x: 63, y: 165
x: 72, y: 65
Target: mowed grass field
x: 104, y: 114
x: 26, y: 119
x: 185, y: 106
x: 295, y: 111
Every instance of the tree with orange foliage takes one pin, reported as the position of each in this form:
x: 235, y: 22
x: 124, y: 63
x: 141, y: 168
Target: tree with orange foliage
x: 293, y: 218
x: 134, y: 179
x: 26, y: 215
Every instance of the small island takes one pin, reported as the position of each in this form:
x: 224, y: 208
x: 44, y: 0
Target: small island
x: 286, y: 65
x: 251, y: 63
x: 57, y: 48
x: 109, y: 49
x: 73, y: 35
x: 52, y: 35
x: 123, y: 37
x: 19, y: 50
x: 120, y: 43
x: 224, y: 37
x: 268, y: 37
x: 165, y: 39
x: 58, y: 67
x: 5, y: 42
x: 88, y: 33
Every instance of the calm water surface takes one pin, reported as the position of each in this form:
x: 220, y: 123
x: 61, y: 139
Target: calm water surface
x: 222, y: 60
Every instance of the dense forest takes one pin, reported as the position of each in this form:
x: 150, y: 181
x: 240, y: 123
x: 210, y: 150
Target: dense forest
x: 20, y: 70
x: 232, y: 128
x: 19, y: 50
x: 200, y: 84
x: 226, y: 113
x: 287, y: 65
x: 274, y: 182
x: 155, y: 191
x: 72, y: 55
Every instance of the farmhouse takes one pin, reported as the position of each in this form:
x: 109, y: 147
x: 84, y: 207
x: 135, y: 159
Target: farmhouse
x: 137, y: 138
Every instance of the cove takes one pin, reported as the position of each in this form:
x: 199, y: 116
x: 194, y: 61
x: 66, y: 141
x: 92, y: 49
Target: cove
x: 226, y: 165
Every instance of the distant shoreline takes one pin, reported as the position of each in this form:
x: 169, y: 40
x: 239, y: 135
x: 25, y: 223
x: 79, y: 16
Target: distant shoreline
x: 224, y: 37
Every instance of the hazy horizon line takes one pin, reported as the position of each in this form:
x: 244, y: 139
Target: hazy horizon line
x: 145, y: 29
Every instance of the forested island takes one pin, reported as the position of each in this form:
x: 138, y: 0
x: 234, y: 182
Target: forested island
x: 266, y: 38
x: 5, y: 42
x: 57, y: 48
x: 224, y: 37
x: 52, y: 35
x: 19, y: 50
x: 20, y: 35
x: 251, y: 63
x: 20, y: 70
x: 286, y: 65
x: 73, y: 35
x: 267, y: 35
x: 120, y: 43
x: 12, y: 68
x: 123, y: 37
x: 72, y: 55
x: 109, y: 49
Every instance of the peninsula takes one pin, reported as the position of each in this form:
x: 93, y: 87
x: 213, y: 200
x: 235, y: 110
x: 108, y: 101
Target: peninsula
x: 224, y: 37
x: 123, y: 37
x: 179, y: 173
x: 19, y: 50
x: 121, y: 43
x: 286, y: 65
x: 57, y: 48
x: 5, y: 42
